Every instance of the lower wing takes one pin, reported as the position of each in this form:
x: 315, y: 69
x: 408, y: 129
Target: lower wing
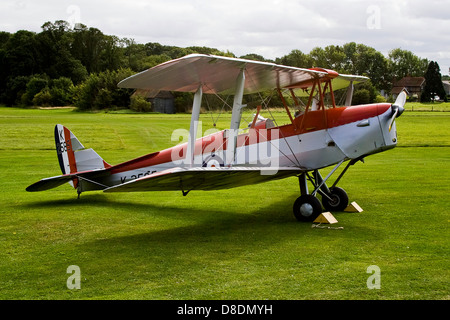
x: 205, y: 178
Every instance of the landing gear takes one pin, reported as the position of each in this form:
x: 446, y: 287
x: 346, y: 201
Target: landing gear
x: 335, y: 200
x: 307, y: 207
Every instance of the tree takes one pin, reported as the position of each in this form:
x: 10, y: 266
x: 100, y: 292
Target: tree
x: 22, y: 54
x: 61, y: 91
x: 296, y: 58
x: 254, y: 56
x: 135, y: 54
x: 4, y: 37
x: 361, y: 96
x: 140, y: 104
x: 433, y: 84
x: 100, y: 91
x: 4, y: 67
x: 331, y: 57
x: 55, y: 57
x: 90, y: 60
x: 15, y: 88
x: 111, y: 54
x: 154, y: 49
x: 43, y: 98
x: 405, y: 63
x: 364, y: 60
x: 87, y: 46
x: 35, y: 85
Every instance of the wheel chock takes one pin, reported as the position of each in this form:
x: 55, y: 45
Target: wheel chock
x: 326, y: 217
x: 353, y: 207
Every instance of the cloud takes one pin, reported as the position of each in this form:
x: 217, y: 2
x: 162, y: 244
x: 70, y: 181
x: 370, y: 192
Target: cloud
x: 271, y: 28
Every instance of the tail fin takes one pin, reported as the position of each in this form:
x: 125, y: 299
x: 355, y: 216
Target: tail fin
x: 72, y: 155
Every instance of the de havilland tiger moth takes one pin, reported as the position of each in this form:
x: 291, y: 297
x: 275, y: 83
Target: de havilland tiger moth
x: 320, y: 136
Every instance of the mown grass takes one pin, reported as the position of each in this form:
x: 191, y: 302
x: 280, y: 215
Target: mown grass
x: 429, y: 106
x: 241, y: 243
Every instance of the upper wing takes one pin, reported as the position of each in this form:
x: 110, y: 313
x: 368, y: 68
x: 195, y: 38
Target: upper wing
x: 341, y: 81
x: 205, y: 178
x: 216, y: 74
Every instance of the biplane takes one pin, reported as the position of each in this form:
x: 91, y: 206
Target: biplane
x: 318, y: 135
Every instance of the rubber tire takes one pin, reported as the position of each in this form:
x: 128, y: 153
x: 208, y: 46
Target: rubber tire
x: 339, y: 202
x: 307, y: 208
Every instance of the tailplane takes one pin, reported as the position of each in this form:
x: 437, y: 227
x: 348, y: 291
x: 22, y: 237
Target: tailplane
x: 83, y: 168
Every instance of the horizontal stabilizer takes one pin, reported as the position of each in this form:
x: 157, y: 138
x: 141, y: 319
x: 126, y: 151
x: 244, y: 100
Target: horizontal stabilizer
x: 89, y: 177
x: 205, y: 178
x: 50, y: 183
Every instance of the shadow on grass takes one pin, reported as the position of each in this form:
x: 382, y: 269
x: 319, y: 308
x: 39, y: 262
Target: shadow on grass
x: 197, y: 222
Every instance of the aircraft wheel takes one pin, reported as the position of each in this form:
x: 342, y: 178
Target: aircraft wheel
x: 338, y: 201
x: 307, y: 208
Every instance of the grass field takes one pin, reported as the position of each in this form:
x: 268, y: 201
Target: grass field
x: 429, y: 106
x: 241, y: 243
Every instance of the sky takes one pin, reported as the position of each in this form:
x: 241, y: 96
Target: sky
x: 270, y: 28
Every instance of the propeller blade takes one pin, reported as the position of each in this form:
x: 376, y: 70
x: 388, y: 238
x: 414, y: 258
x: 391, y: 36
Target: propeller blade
x: 393, y: 117
x: 401, y: 99
x: 397, y: 108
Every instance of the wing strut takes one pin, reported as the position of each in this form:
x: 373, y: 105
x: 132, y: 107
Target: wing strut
x: 236, y: 117
x: 348, y: 99
x: 194, y: 126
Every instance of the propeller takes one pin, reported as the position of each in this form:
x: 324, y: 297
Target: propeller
x: 397, y: 108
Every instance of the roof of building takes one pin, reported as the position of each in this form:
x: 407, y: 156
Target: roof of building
x: 410, y: 82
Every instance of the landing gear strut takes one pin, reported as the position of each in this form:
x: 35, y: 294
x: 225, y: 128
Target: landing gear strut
x: 307, y: 207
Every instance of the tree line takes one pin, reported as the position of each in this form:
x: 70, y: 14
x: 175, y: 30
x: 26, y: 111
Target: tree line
x: 81, y: 66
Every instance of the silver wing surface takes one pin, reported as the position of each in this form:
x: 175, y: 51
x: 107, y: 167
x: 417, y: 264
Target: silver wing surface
x: 216, y: 75
x: 205, y: 178
x: 342, y: 81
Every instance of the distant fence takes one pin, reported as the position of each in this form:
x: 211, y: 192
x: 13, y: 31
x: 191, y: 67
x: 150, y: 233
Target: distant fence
x: 437, y: 107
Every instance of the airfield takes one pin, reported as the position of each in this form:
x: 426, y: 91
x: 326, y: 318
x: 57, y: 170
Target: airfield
x: 241, y: 243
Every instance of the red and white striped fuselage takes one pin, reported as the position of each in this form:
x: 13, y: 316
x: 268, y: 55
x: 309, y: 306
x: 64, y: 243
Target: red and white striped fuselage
x: 319, y: 141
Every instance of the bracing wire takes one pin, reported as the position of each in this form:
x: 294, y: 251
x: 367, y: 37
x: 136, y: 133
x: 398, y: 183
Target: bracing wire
x: 224, y: 104
x: 297, y: 163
